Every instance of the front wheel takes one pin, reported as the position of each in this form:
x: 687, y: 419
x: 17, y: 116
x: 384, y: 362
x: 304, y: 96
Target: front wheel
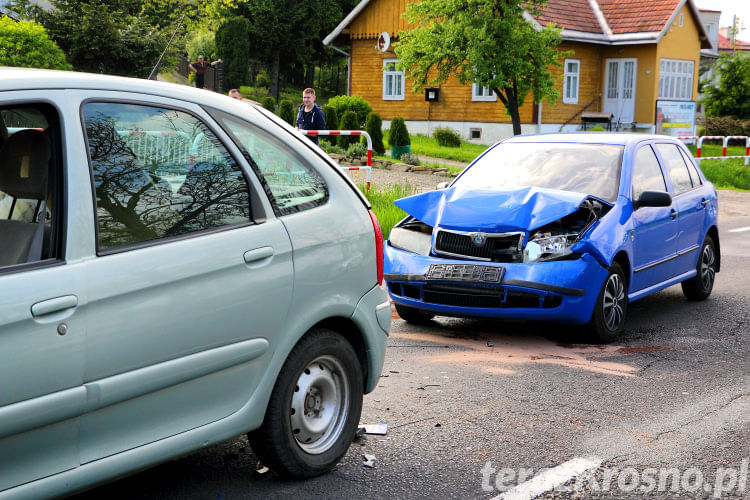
x: 611, y: 306
x: 314, y: 409
x: 699, y: 286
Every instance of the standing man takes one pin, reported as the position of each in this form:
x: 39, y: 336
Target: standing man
x: 309, y: 114
x: 199, y: 68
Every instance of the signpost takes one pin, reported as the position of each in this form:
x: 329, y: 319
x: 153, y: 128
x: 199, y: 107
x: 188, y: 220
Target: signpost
x: 675, y: 118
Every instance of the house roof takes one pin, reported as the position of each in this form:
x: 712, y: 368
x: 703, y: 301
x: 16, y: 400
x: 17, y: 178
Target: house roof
x: 608, y: 22
x: 726, y: 44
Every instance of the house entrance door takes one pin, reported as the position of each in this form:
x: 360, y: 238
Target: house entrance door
x: 619, y: 92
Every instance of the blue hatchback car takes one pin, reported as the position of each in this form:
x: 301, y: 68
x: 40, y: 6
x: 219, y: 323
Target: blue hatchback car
x: 562, y: 227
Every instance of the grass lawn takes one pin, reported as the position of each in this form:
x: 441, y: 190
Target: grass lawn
x: 382, y: 198
x: 427, y: 146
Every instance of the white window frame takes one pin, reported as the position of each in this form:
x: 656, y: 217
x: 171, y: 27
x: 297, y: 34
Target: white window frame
x: 482, y: 94
x: 395, y: 75
x: 676, y: 79
x: 573, y: 98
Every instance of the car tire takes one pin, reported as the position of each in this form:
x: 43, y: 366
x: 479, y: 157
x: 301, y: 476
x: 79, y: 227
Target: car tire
x: 699, y: 287
x: 611, y: 306
x: 412, y: 315
x: 314, y: 410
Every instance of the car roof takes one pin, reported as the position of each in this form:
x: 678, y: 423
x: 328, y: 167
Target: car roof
x: 615, y: 138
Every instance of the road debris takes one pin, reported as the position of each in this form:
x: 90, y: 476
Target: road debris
x: 378, y: 429
x: 369, y: 461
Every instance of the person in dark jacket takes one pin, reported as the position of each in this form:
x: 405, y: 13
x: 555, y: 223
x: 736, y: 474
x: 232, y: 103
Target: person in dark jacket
x: 309, y: 115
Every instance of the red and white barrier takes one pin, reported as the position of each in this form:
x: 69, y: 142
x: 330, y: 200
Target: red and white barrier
x: 368, y: 168
x: 725, y: 140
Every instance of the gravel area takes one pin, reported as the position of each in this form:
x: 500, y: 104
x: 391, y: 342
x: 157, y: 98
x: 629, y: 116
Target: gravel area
x: 731, y: 203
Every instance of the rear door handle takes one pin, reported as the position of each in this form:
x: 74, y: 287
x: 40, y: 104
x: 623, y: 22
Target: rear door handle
x: 258, y: 254
x: 57, y: 304
x: 704, y: 203
x: 673, y: 213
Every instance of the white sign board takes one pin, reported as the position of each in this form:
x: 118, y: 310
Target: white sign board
x: 675, y: 118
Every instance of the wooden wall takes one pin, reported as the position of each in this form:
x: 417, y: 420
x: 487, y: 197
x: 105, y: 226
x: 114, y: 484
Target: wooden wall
x: 589, y: 87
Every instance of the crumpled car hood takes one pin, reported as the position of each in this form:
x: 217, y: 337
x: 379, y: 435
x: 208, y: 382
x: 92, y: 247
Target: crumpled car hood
x: 491, y: 210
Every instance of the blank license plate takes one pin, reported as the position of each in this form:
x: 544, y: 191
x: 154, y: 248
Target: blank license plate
x: 466, y: 272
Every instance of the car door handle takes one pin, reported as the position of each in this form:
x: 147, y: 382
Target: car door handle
x: 704, y: 203
x: 673, y: 213
x: 57, y: 304
x: 258, y: 254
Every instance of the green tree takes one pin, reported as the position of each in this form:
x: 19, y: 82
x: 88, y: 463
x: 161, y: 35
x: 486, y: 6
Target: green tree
x: 731, y: 97
x: 26, y: 44
x: 332, y: 118
x: 399, y: 135
x: 202, y: 44
x: 374, y: 127
x: 348, y: 122
x: 344, y: 103
x: 233, y: 46
x: 481, y: 41
x: 286, y: 111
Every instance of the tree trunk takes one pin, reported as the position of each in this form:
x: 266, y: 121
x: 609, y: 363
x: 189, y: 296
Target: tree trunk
x: 310, y: 74
x: 512, y: 105
x: 274, y: 87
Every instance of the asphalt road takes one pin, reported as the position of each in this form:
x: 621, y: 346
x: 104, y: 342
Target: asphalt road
x: 472, y: 406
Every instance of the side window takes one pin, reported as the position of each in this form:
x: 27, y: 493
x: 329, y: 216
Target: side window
x: 694, y: 176
x: 292, y: 185
x: 158, y: 173
x: 30, y: 184
x: 647, y: 174
x: 676, y: 167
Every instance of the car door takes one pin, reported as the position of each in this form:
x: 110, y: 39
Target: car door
x: 690, y: 201
x: 42, y: 291
x: 192, y: 276
x: 654, y: 232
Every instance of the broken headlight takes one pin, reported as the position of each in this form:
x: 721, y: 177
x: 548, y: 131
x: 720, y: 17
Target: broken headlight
x: 413, y: 236
x: 546, y: 246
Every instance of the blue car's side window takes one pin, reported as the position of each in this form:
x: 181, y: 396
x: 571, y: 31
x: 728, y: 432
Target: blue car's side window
x: 676, y: 167
x: 694, y: 177
x: 647, y: 175
x: 159, y: 173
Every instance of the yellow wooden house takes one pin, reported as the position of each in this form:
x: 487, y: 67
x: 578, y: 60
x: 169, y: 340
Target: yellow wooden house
x: 626, y: 56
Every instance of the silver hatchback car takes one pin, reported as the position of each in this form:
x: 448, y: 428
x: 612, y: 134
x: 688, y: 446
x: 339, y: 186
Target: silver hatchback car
x: 177, y: 268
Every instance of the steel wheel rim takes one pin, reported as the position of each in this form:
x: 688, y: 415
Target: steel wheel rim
x: 707, y: 267
x: 613, y: 302
x: 320, y: 405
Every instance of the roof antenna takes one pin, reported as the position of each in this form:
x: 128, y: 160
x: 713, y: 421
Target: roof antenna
x: 153, y: 71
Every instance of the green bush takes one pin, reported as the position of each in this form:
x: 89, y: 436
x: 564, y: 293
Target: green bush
x: 286, y: 111
x: 262, y: 80
x: 233, y: 46
x: 725, y: 125
x: 332, y: 119
x: 269, y: 103
x: 447, y: 137
x: 597, y: 128
x: 331, y: 148
x: 26, y: 45
x: 356, y: 150
x: 374, y: 127
x: 399, y: 135
x: 344, y: 103
x: 409, y: 159
x: 202, y: 44
x: 348, y: 122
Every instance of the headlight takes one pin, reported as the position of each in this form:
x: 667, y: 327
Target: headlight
x: 544, y: 246
x: 412, y: 241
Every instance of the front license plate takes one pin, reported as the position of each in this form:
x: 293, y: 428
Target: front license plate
x: 465, y: 272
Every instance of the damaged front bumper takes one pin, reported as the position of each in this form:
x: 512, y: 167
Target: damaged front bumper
x: 563, y: 291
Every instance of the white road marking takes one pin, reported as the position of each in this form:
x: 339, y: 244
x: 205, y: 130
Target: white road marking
x: 740, y: 229
x: 550, y: 479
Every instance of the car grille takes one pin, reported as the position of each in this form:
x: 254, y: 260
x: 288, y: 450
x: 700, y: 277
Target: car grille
x: 474, y: 296
x: 500, y: 247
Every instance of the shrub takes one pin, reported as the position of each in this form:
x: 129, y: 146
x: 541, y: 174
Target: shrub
x: 269, y: 103
x: 262, y: 80
x: 202, y: 44
x: 447, y: 137
x: 374, y: 127
x: 344, y: 103
x: 233, y: 46
x: 597, y: 128
x: 409, y: 159
x: 725, y: 125
x: 286, y: 111
x: 348, y: 122
x: 26, y: 44
x: 399, y: 135
x: 356, y: 150
x: 331, y: 148
x: 332, y: 119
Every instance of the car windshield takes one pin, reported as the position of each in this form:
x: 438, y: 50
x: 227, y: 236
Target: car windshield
x: 592, y: 169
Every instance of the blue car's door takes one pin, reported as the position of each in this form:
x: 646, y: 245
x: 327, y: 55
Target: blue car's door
x: 690, y: 200
x: 42, y: 294
x: 654, y: 232
x: 190, y: 286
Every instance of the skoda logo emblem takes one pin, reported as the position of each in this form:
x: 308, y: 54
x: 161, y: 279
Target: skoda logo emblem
x: 479, y: 239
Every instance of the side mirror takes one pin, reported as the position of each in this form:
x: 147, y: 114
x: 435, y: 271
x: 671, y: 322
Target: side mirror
x: 652, y: 199
x: 443, y: 185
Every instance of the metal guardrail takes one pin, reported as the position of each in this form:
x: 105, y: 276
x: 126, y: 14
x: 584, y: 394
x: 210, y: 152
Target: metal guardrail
x: 725, y: 141
x: 367, y: 168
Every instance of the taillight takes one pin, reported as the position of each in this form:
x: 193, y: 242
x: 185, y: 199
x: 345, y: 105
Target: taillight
x: 378, y: 245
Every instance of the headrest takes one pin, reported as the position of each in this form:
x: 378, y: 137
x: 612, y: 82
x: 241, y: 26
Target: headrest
x: 24, y: 166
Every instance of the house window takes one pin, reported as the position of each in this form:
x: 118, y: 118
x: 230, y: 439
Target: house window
x: 479, y: 93
x: 675, y: 79
x: 393, y: 81
x: 570, y: 84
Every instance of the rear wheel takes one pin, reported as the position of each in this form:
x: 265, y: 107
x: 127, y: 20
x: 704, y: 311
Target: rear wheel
x: 611, y: 306
x: 412, y: 315
x: 699, y: 287
x: 314, y: 409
